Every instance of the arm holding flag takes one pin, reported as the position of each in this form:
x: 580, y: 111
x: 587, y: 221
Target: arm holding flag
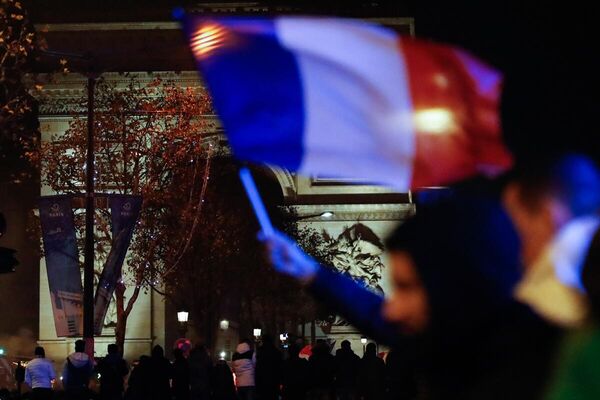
x: 357, y: 304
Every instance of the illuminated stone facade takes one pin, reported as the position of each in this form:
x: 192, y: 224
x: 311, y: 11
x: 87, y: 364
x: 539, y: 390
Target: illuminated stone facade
x: 361, y: 215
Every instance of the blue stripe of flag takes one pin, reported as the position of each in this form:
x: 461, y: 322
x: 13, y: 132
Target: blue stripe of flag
x: 256, y: 88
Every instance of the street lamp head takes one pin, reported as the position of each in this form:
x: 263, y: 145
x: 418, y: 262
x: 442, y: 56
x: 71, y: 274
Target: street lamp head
x: 257, y: 332
x: 283, y: 337
x: 224, y: 325
x: 327, y: 214
x: 363, y: 340
x: 182, y: 316
x: 222, y: 355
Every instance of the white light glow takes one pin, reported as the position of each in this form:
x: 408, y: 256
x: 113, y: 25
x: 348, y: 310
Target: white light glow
x: 434, y: 120
x: 182, y: 316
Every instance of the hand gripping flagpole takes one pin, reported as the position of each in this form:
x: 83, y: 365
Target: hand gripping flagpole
x: 256, y: 201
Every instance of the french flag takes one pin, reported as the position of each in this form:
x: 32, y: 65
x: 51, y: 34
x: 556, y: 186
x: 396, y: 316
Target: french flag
x: 344, y: 98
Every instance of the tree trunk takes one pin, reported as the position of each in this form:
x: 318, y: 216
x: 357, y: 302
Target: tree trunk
x: 121, y: 317
x: 123, y: 313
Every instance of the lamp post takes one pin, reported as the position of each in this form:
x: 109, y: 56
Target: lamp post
x: 283, y: 339
x: 182, y: 317
x: 363, y: 340
x: 257, y: 333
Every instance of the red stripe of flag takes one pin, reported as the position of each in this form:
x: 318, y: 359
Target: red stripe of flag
x: 456, y: 114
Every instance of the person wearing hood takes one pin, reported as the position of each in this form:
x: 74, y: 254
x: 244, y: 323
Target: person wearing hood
x: 112, y: 369
x: 244, y: 366
x: 161, y: 373
x: 347, y: 365
x: 77, y: 373
x: 454, y: 266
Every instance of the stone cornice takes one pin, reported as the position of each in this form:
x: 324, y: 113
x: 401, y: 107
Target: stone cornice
x: 62, y: 95
x: 350, y: 212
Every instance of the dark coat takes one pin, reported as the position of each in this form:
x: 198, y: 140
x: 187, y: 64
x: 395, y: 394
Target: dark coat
x: 180, y: 386
x: 200, y: 371
x: 161, y: 373
x: 112, y: 369
x: 347, y: 366
x: 222, y: 384
x: 295, y: 378
x: 321, y: 366
x: 138, y: 387
x: 372, y: 377
x: 268, y: 371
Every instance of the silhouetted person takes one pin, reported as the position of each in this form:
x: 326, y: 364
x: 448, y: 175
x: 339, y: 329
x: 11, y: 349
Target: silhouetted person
x: 19, y: 377
x: 160, y: 374
x: 200, y: 370
x: 138, y: 386
x: 244, y: 364
x: 39, y: 375
x: 322, y: 372
x: 77, y: 373
x: 268, y: 369
x: 180, y: 386
x: 112, y: 369
x: 372, y: 375
x: 295, y: 375
x: 221, y: 382
x: 347, y: 366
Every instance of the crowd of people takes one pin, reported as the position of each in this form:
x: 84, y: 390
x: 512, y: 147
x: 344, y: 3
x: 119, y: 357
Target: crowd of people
x: 256, y: 371
x: 271, y: 374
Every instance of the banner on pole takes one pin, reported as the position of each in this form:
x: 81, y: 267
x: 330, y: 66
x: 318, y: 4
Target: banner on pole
x: 62, y: 264
x: 124, y: 210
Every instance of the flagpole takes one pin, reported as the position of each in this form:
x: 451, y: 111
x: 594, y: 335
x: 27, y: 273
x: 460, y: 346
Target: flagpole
x: 257, y: 203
